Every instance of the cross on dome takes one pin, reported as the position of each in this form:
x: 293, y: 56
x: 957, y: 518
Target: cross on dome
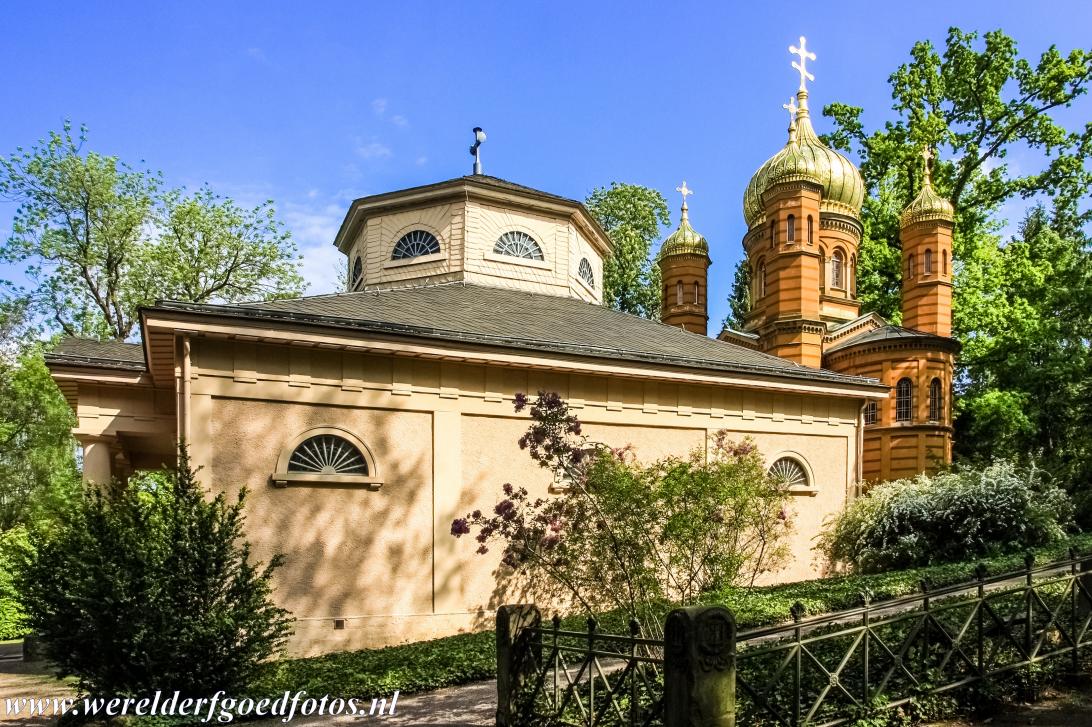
x: 791, y: 108
x: 928, y: 155
x: 805, y: 55
x: 685, y: 192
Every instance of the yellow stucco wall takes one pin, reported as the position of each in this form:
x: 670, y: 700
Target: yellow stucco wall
x: 443, y: 436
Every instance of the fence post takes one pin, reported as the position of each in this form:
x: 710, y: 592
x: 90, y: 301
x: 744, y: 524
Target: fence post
x: 519, y: 651
x: 1029, y: 614
x: 700, y: 667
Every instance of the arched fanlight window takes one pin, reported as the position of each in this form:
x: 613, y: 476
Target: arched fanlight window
x: 697, y: 293
x: 584, y: 270
x: 871, y: 412
x: 358, y: 273
x: 936, y: 401
x: 911, y: 266
x: 837, y: 270
x: 791, y: 237
x: 762, y: 279
x: 678, y: 293
x: 928, y: 260
x: 327, y: 454
x: 789, y: 473
x: 415, y: 244
x: 516, y: 243
x: 904, y: 400
x: 944, y: 262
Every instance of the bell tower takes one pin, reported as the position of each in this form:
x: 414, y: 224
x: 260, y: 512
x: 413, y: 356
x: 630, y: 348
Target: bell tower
x: 926, y: 235
x: 684, y: 270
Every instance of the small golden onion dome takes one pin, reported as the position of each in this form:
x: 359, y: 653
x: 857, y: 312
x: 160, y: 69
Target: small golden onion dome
x: 685, y: 240
x: 928, y: 205
x: 805, y: 158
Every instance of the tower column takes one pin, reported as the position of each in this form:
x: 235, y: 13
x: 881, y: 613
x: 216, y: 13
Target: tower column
x: 684, y: 270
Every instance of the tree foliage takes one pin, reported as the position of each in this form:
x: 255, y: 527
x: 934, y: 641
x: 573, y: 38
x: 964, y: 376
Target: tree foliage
x: 153, y: 589
x: 977, y: 101
x: 627, y: 536
x: 633, y: 217
x: 739, y: 300
x: 99, y: 239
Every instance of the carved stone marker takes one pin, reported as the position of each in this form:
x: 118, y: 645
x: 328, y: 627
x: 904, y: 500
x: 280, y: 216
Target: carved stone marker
x: 519, y: 652
x: 700, y: 667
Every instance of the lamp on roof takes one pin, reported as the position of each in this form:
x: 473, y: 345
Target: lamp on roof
x: 479, y: 137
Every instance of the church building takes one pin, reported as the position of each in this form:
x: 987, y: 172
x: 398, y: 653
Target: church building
x: 362, y: 423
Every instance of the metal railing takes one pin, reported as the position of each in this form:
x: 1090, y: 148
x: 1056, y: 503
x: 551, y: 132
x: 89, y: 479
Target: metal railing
x: 817, y: 671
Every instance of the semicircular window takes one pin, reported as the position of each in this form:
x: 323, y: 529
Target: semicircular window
x: 584, y: 270
x: 328, y: 454
x: 358, y: 273
x: 790, y: 473
x: 415, y: 244
x: 516, y: 243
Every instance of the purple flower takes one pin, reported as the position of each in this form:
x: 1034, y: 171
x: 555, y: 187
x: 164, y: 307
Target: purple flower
x: 460, y: 526
x: 521, y: 401
x: 476, y: 514
x: 505, y: 508
x: 508, y: 488
x: 482, y: 550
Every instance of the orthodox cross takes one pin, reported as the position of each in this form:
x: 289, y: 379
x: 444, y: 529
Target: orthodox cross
x: 791, y: 108
x: 928, y: 155
x: 684, y: 191
x: 805, y: 56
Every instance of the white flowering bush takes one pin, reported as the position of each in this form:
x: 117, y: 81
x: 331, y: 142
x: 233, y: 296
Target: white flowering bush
x: 950, y: 516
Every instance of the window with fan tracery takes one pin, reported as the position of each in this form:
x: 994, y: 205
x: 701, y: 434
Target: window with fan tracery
x: 327, y: 454
x: 790, y: 473
x: 416, y: 243
x: 517, y: 243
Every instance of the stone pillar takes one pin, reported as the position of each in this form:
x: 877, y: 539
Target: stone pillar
x: 519, y: 653
x: 97, y: 460
x: 700, y: 667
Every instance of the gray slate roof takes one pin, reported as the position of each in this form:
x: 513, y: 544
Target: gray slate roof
x: 110, y: 354
x: 457, y: 312
x: 896, y: 333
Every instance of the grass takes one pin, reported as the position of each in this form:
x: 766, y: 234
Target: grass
x: 466, y: 658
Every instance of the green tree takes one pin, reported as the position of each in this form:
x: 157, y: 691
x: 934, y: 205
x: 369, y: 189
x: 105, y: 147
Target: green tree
x: 739, y: 300
x: 633, y: 217
x: 152, y: 589
x: 976, y: 102
x: 98, y: 239
x: 38, y: 475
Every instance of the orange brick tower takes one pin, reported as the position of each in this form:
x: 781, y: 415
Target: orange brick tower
x: 684, y: 269
x: 803, y: 211
x: 803, y: 215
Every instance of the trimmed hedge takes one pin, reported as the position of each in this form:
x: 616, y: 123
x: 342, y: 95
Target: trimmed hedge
x: 466, y: 658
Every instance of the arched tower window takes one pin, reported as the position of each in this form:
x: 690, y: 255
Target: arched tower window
x: 928, y: 260
x: 936, y: 401
x: 853, y: 274
x: 358, y: 273
x: 911, y: 264
x: 697, y: 293
x: 792, y: 229
x: 944, y: 262
x: 678, y: 293
x: 904, y: 400
x: 811, y: 235
x: 837, y: 270
x: 762, y: 279
x: 415, y: 244
x: 773, y: 233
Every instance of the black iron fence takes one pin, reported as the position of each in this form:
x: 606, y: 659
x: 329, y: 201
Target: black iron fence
x: 819, y: 671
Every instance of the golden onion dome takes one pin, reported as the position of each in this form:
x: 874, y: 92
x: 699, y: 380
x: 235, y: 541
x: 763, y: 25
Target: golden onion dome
x: 928, y: 205
x: 805, y: 158
x: 685, y: 240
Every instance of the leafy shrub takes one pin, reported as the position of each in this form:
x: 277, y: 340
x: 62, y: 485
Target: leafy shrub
x: 966, y: 513
x: 627, y: 536
x: 13, y: 545
x: 151, y: 588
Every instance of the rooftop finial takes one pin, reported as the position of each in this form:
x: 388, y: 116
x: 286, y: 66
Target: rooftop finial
x: 479, y: 137
x: 685, y: 192
x: 791, y: 108
x: 805, y: 56
x: 928, y: 155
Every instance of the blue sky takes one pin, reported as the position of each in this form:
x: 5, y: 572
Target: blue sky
x: 313, y: 104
